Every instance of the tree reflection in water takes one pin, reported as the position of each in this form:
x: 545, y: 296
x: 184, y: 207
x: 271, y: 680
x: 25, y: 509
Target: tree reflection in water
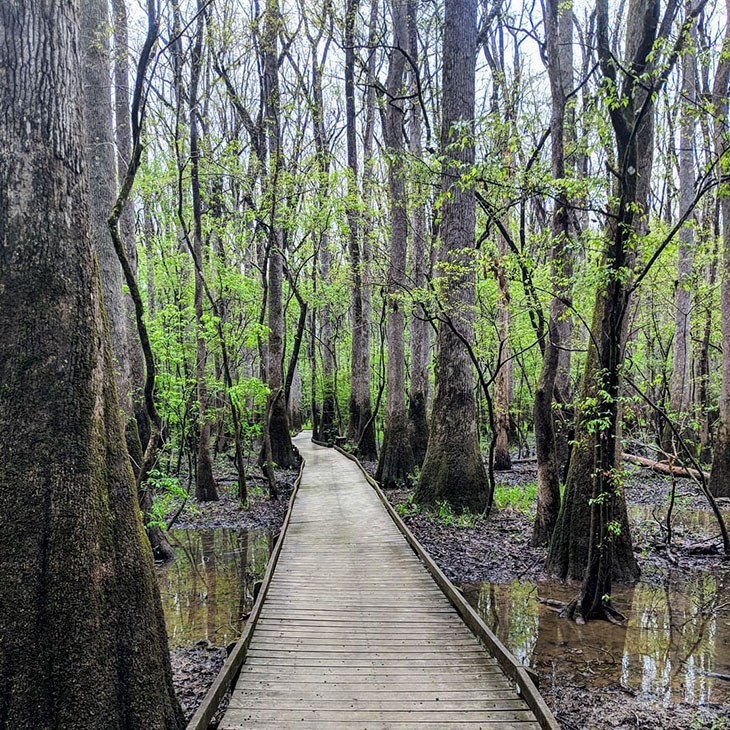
x: 674, y: 644
x: 208, y: 590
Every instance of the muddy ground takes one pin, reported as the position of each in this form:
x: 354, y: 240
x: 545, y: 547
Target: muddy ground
x: 260, y: 511
x: 498, y: 548
x: 194, y: 670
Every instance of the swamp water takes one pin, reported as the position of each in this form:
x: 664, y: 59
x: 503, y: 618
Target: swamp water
x: 675, y: 643
x: 208, y: 591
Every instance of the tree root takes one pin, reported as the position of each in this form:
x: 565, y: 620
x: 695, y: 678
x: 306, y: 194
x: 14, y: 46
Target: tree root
x: 605, y: 612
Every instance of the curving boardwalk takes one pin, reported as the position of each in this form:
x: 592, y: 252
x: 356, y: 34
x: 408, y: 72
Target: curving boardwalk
x: 355, y: 633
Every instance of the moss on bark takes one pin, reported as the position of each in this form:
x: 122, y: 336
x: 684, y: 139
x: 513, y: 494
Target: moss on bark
x: 83, y: 635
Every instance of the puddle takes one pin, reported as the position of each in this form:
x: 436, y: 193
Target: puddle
x: 208, y: 590
x: 675, y: 642
x: 688, y: 521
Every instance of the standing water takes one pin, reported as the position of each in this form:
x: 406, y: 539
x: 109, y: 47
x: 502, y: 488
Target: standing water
x: 207, y: 592
x: 675, y: 644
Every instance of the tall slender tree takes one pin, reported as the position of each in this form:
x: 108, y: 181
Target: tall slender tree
x: 592, y: 540
x: 558, y: 55
x: 102, y: 179
x: 282, y: 449
x: 360, y: 425
x: 720, y: 474
x: 420, y: 328
x: 680, y: 385
x: 396, y: 456
x: 205, y: 486
x: 123, y: 138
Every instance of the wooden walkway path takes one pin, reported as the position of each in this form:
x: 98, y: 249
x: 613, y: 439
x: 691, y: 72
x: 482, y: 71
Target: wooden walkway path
x: 353, y: 631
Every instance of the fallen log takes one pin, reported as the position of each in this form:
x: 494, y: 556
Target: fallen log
x: 661, y: 467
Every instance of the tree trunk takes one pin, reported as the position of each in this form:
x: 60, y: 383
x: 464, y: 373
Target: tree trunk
x: 205, y: 486
x: 503, y: 382
x: 453, y: 468
x: 559, y: 54
x: 396, y: 457
x: 102, y: 180
x: 295, y: 401
x: 328, y: 427
x: 83, y: 633
x: 135, y: 357
x: 592, y: 539
x: 720, y: 474
x: 282, y: 449
x: 366, y: 442
x: 419, y: 342
x: 680, y: 384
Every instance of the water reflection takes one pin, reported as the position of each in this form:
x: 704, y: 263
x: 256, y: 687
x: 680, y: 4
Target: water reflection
x: 208, y: 590
x: 698, y: 523
x: 675, y: 643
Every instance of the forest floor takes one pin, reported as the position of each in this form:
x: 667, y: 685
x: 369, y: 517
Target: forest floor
x: 497, y: 550
x: 260, y: 511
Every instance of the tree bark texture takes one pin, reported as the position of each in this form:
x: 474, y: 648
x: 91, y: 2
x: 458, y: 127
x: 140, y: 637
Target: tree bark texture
x: 453, y: 468
x: 83, y: 635
x: 396, y: 456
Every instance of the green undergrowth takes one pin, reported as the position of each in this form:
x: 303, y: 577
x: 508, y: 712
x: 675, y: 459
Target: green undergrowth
x: 168, y: 492
x: 442, y: 512
x: 520, y: 497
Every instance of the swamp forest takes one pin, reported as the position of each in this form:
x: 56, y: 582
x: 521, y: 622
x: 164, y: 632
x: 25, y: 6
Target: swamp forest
x: 364, y: 364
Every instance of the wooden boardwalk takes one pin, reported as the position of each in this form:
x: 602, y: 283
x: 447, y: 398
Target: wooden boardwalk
x: 354, y: 632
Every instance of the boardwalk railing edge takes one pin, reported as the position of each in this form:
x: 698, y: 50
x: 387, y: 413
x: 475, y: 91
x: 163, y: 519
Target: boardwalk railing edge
x: 227, y: 675
x: 512, y: 668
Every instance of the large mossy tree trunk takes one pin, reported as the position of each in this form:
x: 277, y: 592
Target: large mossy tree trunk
x: 396, y: 456
x: 453, y: 468
x: 83, y: 634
